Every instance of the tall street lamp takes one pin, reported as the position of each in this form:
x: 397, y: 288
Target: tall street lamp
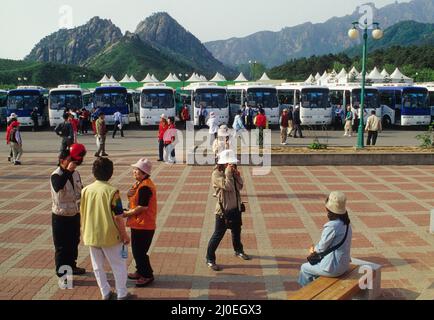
x: 252, y: 68
x: 353, y: 33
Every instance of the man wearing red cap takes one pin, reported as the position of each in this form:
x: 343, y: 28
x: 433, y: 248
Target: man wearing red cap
x: 66, y: 189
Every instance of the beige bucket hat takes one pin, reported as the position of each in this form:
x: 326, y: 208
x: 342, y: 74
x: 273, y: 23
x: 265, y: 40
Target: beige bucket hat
x: 143, y: 165
x: 336, y: 202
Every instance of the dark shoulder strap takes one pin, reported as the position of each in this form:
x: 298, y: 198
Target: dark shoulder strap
x: 329, y: 250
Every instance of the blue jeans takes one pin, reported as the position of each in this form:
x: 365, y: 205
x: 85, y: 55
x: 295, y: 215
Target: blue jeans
x: 219, y: 233
x: 309, y: 273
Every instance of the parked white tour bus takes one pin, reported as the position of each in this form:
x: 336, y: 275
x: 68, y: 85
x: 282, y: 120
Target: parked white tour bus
x: 256, y: 95
x: 212, y: 97
x: 315, y: 108
x: 156, y: 99
x: 63, y: 98
x: 349, y: 95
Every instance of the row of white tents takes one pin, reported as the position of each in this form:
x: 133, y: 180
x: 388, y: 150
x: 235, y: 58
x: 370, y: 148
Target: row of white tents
x: 150, y: 78
x: 374, y: 76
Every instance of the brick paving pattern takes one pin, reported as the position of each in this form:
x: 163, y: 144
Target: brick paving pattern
x: 389, y: 208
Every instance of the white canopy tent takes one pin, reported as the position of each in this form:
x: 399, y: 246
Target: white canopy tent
x: 125, y: 79
x: 240, y: 78
x: 154, y: 78
x: 375, y: 75
x: 317, y: 76
x: 104, y: 79
x: 194, y: 78
x: 147, y: 79
x: 264, y: 77
x: 132, y: 79
x: 113, y: 80
x: 384, y: 73
x: 175, y: 78
x: 202, y: 78
x: 169, y: 78
x: 311, y: 79
x: 342, y: 74
x: 398, y: 76
x: 218, y: 77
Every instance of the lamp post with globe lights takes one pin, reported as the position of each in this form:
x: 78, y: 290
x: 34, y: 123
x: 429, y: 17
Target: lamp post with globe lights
x: 183, y: 76
x: 353, y: 33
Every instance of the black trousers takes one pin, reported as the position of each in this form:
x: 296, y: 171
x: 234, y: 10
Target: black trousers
x: 297, y: 128
x: 372, y: 135
x: 65, y: 144
x: 219, y: 233
x: 66, y: 238
x: 117, y: 128
x: 161, y: 150
x: 140, y: 243
x: 202, y: 121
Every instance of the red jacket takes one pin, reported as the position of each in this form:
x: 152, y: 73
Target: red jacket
x: 170, y: 136
x: 8, y: 132
x: 185, y: 116
x: 261, y: 121
x: 74, y: 124
x: 162, y: 128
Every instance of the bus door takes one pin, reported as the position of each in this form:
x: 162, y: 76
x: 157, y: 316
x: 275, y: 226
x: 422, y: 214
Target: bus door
x: 398, y: 106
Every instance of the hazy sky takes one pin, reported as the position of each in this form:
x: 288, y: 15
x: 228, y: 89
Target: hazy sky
x: 24, y: 22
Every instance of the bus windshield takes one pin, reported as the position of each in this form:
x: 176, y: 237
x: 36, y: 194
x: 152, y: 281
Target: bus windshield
x: 61, y: 100
x: 107, y: 99
x: 414, y: 98
x: 157, y: 99
x: 211, y: 98
x: 314, y: 98
x: 23, y: 101
x: 371, y: 98
x: 265, y: 98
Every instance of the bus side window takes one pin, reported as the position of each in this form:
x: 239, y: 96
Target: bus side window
x: 386, y: 99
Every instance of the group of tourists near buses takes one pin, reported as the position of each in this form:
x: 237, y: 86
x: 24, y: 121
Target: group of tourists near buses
x: 96, y: 214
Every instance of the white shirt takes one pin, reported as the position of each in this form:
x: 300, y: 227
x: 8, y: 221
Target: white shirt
x: 118, y: 117
x: 213, y: 126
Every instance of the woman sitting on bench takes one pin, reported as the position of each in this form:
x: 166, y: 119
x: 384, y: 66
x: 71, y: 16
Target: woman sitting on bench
x: 331, y: 257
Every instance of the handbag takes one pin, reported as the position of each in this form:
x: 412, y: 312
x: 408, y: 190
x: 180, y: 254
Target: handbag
x: 315, y: 257
x: 233, y: 217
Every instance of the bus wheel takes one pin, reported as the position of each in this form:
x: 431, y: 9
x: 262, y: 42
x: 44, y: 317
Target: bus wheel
x: 387, y: 123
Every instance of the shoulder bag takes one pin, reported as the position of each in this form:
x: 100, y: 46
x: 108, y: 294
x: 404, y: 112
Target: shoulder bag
x: 315, y: 257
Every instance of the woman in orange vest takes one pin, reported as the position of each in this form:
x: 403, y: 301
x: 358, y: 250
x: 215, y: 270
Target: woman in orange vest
x: 142, y: 215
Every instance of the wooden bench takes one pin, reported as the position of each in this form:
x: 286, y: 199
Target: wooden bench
x: 342, y: 288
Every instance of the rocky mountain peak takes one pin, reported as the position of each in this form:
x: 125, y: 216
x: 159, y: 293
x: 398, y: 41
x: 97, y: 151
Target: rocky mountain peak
x: 75, y: 46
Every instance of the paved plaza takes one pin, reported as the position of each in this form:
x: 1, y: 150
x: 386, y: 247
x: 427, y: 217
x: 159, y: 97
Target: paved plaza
x: 389, y: 208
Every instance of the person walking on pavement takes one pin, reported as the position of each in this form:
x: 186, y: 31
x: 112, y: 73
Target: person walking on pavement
x: 261, y: 123
x: 118, y: 124
x: 101, y: 133
x: 223, y: 141
x: 185, y: 115
x: 16, y: 143
x: 348, y: 122
x: 373, y: 126
x: 12, y: 118
x: 66, y: 186
x: 248, y: 114
x: 213, y: 126
x: 65, y: 131
x: 297, y: 122
x: 284, y: 120
x: 203, y: 113
x: 290, y: 122
x: 104, y: 231
x: 227, y: 183
x: 169, y: 141
x: 162, y: 127
x: 238, y: 126
x: 142, y: 216
x: 34, y: 115
x: 74, y: 123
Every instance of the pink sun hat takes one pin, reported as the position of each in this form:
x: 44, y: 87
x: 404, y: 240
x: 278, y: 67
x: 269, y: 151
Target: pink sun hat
x: 143, y: 165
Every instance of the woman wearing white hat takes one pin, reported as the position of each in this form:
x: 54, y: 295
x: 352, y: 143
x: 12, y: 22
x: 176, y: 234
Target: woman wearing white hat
x: 213, y: 125
x: 223, y: 141
x: 331, y: 257
x: 227, y: 182
x: 142, y: 216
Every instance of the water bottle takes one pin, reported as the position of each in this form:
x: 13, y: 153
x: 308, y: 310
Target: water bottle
x: 124, y: 252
